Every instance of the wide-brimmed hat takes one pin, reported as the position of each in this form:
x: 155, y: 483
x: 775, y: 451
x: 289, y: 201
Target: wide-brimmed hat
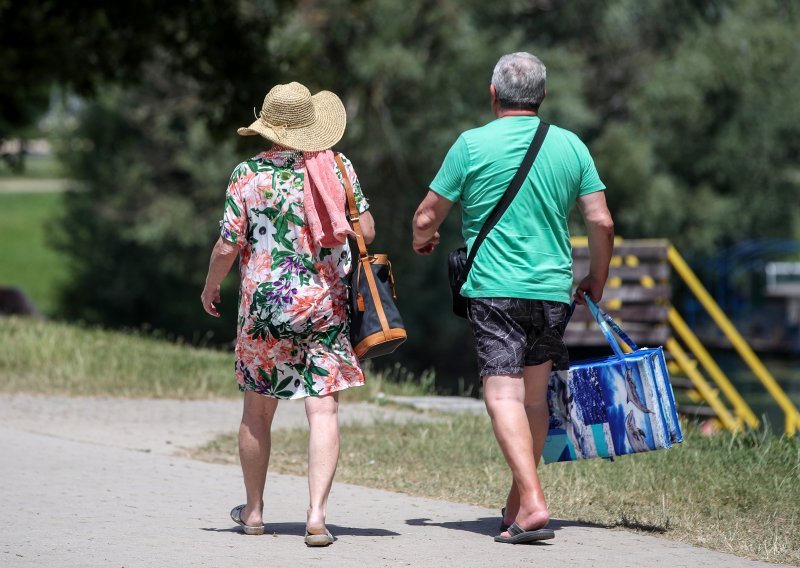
x: 293, y: 118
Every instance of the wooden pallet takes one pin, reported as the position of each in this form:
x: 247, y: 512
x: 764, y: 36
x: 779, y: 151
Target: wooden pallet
x: 637, y: 294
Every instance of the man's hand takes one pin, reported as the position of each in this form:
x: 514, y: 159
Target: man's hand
x: 600, y: 231
x: 427, y: 246
x: 209, y: 297
x: 589, y: 285
x: 425, y: 226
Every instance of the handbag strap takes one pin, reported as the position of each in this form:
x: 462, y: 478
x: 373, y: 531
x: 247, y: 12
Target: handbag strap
x: 508, y: 196
x: 607, y: 324
x: 363, y: 255
x: 352, y: 208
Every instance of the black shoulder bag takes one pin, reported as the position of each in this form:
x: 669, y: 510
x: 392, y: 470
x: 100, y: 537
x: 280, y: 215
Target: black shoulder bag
x: 458, y: 264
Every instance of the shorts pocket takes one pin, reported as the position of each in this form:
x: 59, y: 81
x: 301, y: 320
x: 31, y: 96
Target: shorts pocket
x: 555, y: 314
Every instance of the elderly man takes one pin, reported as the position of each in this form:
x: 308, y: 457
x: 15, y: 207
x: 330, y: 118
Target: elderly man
x: 519, y: 286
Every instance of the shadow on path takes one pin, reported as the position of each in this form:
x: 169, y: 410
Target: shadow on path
x: 299, y: 529
x: 490, y: 526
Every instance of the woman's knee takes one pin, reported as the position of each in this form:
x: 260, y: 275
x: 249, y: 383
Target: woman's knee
x: 257, y: 406
x: 321, y: 407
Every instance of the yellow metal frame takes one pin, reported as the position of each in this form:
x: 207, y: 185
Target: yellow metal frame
x: 792, y: 415
x: 740, y: 406
x: 698, y: 380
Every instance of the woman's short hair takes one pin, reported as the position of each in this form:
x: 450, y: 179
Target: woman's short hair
x: 518, y: 80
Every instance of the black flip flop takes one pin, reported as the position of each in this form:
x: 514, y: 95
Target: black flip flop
x: 521, y: 536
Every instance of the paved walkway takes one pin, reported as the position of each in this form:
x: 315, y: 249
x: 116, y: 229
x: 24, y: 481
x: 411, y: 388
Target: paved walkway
x: 81, y: 492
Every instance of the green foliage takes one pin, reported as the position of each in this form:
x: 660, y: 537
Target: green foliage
x: 688, y: 107
x: 85, y: 45
x: 139, y: 230
x: 715, y: 126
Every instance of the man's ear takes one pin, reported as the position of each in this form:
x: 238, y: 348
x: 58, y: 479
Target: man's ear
x: 544, y: 96
x: 493, y: 92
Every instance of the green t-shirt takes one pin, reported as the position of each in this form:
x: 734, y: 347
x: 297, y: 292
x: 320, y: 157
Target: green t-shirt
x: 528, y: 253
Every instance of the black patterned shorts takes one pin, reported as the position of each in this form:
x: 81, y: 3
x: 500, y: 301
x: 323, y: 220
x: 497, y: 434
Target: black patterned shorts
x: 512, y: 333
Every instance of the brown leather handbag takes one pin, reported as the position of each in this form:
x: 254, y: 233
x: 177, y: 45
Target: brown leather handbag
x: 376, y: 327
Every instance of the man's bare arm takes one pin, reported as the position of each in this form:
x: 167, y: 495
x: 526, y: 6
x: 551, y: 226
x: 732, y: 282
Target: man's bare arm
x: 429, y: 216
x: 600, y: 229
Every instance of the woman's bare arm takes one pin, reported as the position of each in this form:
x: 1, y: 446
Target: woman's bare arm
x: 367, y: 226
x: 222, y: 258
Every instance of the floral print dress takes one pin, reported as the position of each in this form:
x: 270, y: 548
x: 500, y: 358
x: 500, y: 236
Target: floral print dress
x: 293, y: 327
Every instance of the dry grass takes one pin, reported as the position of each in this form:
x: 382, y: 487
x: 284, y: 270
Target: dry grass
x: 708, y: 491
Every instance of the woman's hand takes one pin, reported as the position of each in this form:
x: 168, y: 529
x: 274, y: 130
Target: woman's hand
x: 209, y: 297
x: 222, y: 258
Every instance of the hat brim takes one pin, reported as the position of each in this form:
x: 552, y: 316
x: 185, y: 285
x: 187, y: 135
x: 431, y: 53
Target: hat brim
x: 327, y: 129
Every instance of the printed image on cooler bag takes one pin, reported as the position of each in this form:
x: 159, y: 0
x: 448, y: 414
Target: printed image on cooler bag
x: 619, y: 405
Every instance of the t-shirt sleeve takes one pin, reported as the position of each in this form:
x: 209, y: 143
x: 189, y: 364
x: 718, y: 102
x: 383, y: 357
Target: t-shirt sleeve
x: 590, y: 179
x: 361, y: 201
x: 233, y: 226
x: 449, y: 182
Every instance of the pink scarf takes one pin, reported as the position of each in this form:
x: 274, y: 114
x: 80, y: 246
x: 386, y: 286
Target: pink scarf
x: 324, y: 200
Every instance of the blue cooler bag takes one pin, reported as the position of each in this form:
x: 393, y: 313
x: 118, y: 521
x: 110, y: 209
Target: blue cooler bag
x: 609, y: 407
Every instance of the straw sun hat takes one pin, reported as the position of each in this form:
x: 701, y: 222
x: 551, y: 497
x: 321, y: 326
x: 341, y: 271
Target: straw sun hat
x: 293, y: 118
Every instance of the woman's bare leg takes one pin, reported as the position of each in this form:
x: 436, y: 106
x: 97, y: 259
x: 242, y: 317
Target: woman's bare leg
x: 254, y: 449
x: 323, y: 455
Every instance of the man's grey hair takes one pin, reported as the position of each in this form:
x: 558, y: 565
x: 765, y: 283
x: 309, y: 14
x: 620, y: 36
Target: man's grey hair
x: 518, y: 80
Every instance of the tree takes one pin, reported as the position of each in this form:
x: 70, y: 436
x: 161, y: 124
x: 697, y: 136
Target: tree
x: 82, y: 46
x: 687, y: 105
x: 139, y: 228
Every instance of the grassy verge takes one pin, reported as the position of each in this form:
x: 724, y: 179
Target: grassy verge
x: 55, y: 358
x: 26, y: 259
x: 708, y: 491
x: 40, y: 167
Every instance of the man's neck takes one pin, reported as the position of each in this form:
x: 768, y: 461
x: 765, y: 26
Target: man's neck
x: 502, y: 113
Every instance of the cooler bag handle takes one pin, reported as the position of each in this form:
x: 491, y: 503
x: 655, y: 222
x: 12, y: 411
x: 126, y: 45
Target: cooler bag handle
x: 607, y: 324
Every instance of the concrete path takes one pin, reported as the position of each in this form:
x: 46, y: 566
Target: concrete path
x: 162, y: 426
x: 33, y: 185
x: 79, y: 497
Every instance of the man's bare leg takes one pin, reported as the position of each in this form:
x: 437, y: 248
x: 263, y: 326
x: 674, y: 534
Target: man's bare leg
x: 536, y: 379
x: 254, y: 449
x: 505, y: 400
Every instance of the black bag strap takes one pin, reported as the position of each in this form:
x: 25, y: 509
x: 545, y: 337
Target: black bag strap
x: 508, y: 196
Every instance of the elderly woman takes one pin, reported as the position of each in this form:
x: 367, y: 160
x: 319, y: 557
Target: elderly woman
x: 285, y: 218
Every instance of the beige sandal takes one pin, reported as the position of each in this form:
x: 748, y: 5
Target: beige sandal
x: 236, y: 515
x: 319, y: 539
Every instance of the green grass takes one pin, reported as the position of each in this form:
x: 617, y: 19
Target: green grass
x: 56, y: 358
x: 707, y: 491
x: 26, y: 259
x: 41, y: 167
